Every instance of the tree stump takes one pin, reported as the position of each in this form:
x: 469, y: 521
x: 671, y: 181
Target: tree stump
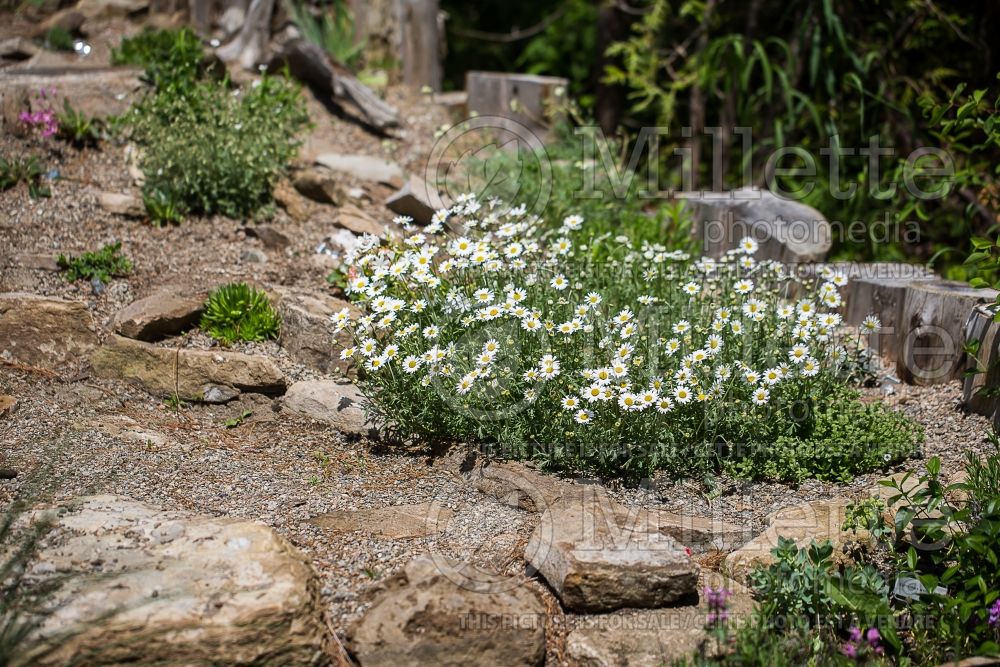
x: 932, y: 330
x: 879, y: 289
x: 980, y: 389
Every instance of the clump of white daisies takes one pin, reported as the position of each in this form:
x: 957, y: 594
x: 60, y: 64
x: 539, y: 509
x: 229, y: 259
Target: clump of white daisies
x: 585, y: 351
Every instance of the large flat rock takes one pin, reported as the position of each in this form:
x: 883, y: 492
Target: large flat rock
x: 164, y: 313
x: 395, y: 522
x: 651, y: 637
x: 307, y: 332
x: 43, y: 332
x: 340, y: 405
x: 597, y: 562
x: 193, y: 375
x: 147, y: 586
x: 818, y: 520
x: 450, y: 615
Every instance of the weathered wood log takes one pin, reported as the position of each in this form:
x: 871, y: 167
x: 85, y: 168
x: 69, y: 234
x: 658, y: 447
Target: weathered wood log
x: 981, y: 385
x: 932, y: 330
x: 311, y: 65
x: 879, y: 289
x: 420, y: 42
x: 249, y: 47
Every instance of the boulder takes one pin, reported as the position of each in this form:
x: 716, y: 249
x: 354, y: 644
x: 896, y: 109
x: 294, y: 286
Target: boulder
x: 652, y: 637
x: 140, y: 585
x: 786, y: 230
x: 362, y: 168
x: 596, y: 563
x: 337, y: 404
x: 450, y: 615
x: 193, y: 375
x: 164, y: 313
x: 417, y: 200
x: 307, y: 332
x: 99, y: 92
x: 396, y: 522
x: 518, y: 485
x: 352, y: 218
x: 818, y: 520
x: 270, y: 237
x: 118, y: 203
x: 288, y: 198
x: 43, y: 332
x: 320, y: 185
x: 17, y: 48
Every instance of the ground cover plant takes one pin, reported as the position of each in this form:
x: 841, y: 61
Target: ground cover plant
x: 239, y: 312
x: 592, y: 353
x: 811, y: 610
x: 208, y: 148
x: 101, y: 265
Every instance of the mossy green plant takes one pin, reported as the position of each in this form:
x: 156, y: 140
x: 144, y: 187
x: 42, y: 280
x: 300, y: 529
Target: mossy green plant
x: 240, y: 313
x: 102, y: 265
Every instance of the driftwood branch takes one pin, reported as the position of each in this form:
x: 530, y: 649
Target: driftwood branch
x: 311, y: 65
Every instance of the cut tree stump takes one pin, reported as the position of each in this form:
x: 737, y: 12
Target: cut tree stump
x: 879, y: 289
x: 932, y: 330
x: 524, y: 98
x: 979, y: 390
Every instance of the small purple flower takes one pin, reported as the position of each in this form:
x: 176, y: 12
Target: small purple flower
x: 855, y: 634
x: 873, y: 636
x: 850, y: 650
x: 995, y: 614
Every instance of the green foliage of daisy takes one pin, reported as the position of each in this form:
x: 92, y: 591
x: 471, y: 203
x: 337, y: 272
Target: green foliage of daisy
x: 553, y: 340
x: 238, y: 312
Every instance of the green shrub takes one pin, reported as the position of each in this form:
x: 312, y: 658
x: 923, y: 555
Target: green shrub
x: 58, y: 38
x: 102, y: 265
x: 581, y: 350
x: 836, y: 438
x: 27, y: 170
x: 172, y: 58
x: 210, y: 150
x: 951, y: 536
x: 238, y: 312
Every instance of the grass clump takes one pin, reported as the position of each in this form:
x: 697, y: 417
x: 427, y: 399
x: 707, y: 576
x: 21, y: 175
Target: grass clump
x: 27, y: 170
x: 585, y: 351
x: 238, y: 312
x: 208, y: 148
x: 77, y: 128
x: 102, y: 265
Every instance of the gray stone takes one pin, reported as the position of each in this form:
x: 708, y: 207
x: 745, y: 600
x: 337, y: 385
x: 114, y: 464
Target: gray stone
x: 450, y: 615
x: 43, y: 332
x: 165, y: 313
x: 140, y: 585
x: 362, y: 168
x: 337, y: 404
x: 17, y: 48
x: 99, y: 92
x: 652, y: 638
x: 270, y: 237
x: 192, y: 374
x: 417, y: 200
x: 320, y: 185
x: 353, y: 219
x: 595, y: 562
x: 307, y: 332
x: 118, y: 203
x: 786, y: 230
x: 818, y: 520
x: 36, y: 262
